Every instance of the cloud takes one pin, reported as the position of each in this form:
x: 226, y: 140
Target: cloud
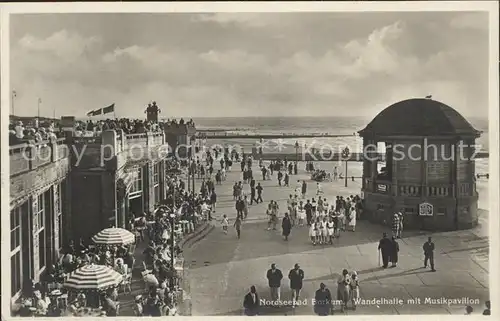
x: 255, y: 20
x: 76, y: 72
x: 476, y: 20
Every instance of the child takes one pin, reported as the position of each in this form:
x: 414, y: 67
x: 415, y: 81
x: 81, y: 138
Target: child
x: 301, y: 213
x: 225, y: 223
x: 312, y: 233
x: 317, y: 231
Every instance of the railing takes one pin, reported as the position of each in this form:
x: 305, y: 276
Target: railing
x: 410, y: 190
x: 26, y: 157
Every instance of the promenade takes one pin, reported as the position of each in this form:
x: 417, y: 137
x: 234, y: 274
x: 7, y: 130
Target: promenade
x: 222, y: 268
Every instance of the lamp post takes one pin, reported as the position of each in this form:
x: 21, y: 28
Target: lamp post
x: 345, y: 155
x: 39, y: 103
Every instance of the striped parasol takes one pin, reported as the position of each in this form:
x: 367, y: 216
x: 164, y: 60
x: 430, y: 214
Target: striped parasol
x: 93, y: 277
x: 114, y: 236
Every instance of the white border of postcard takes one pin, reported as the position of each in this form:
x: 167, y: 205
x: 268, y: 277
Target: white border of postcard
x: 200, y: 7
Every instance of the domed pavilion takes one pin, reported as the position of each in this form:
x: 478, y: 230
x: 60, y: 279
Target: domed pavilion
x: 427, y: 169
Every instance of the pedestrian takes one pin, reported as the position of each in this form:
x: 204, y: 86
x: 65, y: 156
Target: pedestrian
x: 428, y: 248
x: 308, y: 209
x: 286, y: 226
x: 274, y: 277
x: 304, y: 189
x: 400, y: 229
x: 259, y: 193
x: 301, y: 213
x: 296, y: 276
x: 225, y: 223
x: 323, y: 301
x: 395, y: 225
x: 237, y: 226
x: 394, y: 252
x: 352, y: 219
x: 240, y: 206
x: 251, y: 302
x: 344, y: 289
x: 245, y: 206
x: 330, y: 228
x: 384, y: 246
x: 213, y: 200
x: 319, y: 189
x: 468, y: 310
x: 287, y: 180
x: 280, y: 177
x: 354, y: 289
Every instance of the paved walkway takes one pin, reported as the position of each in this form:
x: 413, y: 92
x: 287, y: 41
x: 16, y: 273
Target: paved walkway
x: 221, y: 268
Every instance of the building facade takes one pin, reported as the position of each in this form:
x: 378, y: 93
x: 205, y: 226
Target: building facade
x: 429, y: 172
x: 72, y: 188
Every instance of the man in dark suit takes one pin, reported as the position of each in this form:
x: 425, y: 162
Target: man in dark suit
x: 385, y: 246
x: 251, y: 302
x: 428, y: 248
x: 274, y: 276
x: 296, y: 276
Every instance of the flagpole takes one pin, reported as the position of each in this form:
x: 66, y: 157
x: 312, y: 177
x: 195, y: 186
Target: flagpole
x: 39, y: 101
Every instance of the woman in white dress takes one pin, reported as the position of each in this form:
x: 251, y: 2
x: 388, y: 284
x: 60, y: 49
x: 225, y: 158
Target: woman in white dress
x: 301, y: 213
x: 352, y: 219
x: 342, y: 219
x: 330, y: 229
x: 324, y: 231
x: 312, y: 233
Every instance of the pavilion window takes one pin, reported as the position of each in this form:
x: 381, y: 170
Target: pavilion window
x: 16, y: 267
x: 409, y: 210
x: 441, y: 211
x: 384, y: 169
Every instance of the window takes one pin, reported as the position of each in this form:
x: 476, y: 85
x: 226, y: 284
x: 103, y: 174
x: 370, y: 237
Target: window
x: 409, y: 210
x: 16, y: 272
x: 156, y: 174
x: 58, y: 215
x: 156, y: 182
x: 15, y: 251
x: 441, y: 211
x: 380, y: 207
x: 40, y: 233
x: 136, y: 188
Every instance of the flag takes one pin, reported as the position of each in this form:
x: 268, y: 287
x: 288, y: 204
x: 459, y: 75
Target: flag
x: 109, y: 109
x: 428, y: 97
x: 95, y: 112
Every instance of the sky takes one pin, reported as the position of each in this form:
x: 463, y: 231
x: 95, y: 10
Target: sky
x: 248, y: 64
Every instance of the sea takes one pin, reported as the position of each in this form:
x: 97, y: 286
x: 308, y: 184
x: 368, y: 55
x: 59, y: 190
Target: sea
x: 335, y: 125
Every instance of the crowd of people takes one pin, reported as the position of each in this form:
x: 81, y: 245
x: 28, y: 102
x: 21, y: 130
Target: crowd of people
x: 38, y: 131
x: 49, y: 297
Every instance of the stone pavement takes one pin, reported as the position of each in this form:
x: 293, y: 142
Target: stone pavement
x: 222, y: 268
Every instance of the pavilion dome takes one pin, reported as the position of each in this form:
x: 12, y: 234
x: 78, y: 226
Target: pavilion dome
x: 419, y: 117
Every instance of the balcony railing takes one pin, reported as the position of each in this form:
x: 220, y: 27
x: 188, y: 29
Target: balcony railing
x: 26, y: 157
